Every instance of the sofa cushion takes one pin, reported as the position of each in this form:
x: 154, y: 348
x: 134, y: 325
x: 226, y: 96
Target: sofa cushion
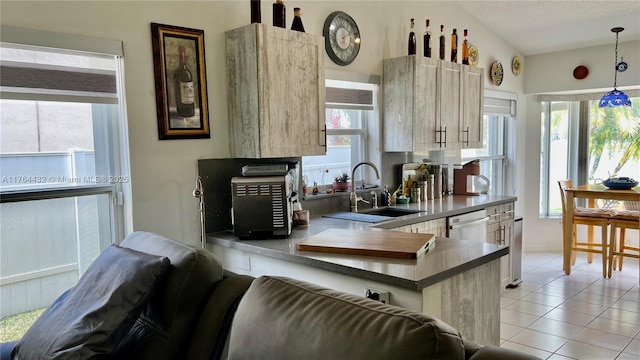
x: 281, y: 318
x: 91, y: 318
x: 165, y: 328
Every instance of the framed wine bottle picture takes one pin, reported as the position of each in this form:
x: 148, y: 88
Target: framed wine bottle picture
x: 181, y: 82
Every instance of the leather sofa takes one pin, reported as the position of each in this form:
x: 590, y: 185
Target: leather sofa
x: 199, y: 311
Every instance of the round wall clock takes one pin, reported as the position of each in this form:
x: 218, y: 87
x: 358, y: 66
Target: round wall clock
x: 341, y: 38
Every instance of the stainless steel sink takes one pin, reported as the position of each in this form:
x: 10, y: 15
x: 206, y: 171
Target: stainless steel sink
x: 389, y: 212
x: 373, y: 215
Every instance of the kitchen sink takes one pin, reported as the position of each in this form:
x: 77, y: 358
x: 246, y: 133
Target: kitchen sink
x: 372, y: 215
x: 389, y: 212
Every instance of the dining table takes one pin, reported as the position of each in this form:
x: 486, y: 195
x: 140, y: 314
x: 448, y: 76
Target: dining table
x: 592, y: 192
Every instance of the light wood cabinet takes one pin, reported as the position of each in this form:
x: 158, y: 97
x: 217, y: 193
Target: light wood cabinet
x: 438, y: 227
x: 500, y: 230
x: 275, y: 92
x: 430, y: 104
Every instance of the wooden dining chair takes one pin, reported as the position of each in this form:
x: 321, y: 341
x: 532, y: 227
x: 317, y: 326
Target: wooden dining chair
x: 623, y: 219
x: 589, y: 217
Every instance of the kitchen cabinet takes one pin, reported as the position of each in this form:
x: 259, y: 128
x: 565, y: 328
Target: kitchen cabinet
x: 275, y: 92
x: 438, y: 227
x: 500, y: 230
x: 430, y: 104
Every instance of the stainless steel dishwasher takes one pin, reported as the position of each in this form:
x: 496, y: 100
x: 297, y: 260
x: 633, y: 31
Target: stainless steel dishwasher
x: 470, y: 226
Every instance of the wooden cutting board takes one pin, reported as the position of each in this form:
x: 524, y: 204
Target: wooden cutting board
x: 393, y: 244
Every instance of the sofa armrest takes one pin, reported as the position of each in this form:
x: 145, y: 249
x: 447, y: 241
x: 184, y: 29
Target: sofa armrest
x: 497, y: 353
x: 212, y: 330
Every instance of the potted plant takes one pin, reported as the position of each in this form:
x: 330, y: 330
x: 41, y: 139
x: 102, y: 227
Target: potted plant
x: 341, y: 182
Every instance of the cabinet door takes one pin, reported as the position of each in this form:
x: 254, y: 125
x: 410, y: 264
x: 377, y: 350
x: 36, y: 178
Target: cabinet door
x: 505, y: 262
x: 438, y: 227
x: 450, y: 103
x: 398, y: 89
x: 292, y: 96
x: 472, y: 100
x: 425, y: 103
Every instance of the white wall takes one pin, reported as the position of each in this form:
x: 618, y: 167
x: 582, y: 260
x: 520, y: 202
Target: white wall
x: 163, y: 172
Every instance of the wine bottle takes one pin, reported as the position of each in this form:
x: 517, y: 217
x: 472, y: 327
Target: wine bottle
x: 454, y: 46
x: 465, y: 49
x: 297, y: 20
x: 185, y: 94
x: 256, y: 15
x: 427, y: 41
x: 412, y: 39
x: 442, y: 40
x: 279, y: 14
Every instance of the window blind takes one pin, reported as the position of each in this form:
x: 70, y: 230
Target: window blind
x: 33, y: 67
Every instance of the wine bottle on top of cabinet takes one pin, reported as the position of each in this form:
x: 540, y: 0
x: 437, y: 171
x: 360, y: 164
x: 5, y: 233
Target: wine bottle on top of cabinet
x: 442, y: 40
x: 279, y: 14
x: 412, y: 39
x: 297, y: 20
x: 465, y: 49
x: 427, y: 41
x: 256, y: 15
x: 184, y: 91
x: 454, y: 46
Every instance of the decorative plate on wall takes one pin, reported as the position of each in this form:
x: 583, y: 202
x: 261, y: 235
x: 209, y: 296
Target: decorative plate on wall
x: 497, y: 73
x: 516, y: 65
x: 473, y: 55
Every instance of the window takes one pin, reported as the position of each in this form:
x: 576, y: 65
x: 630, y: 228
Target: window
x: 64, y: 186
x: 585, y: 143
x: 498, y: 144
x: 350, y: 116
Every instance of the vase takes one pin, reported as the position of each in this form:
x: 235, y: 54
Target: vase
x: 340, y: 186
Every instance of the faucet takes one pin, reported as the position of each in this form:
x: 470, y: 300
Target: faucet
x: 354, y: 198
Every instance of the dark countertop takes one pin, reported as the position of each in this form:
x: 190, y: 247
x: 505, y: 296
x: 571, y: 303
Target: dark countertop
x: 448, y: 258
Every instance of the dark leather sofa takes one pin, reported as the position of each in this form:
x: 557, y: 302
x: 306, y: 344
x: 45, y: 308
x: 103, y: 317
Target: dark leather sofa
x: 196, y: 310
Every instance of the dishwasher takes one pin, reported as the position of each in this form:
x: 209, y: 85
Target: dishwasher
x: 470, y: 226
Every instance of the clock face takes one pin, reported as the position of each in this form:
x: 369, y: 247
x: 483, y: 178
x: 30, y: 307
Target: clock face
x: 341, y: 38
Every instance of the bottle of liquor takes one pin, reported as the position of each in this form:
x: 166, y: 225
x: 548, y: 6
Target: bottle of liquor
x: 442, y: 40
x: 412, y: 40
x: 256, y: 16
x: 454, y: 46
x: 465, y: 49
x: 297, y: 20
x: 185, y: 94
x: 427, y: 41
x: 279, y: 14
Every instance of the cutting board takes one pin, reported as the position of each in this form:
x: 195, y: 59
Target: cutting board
x: 393, y: 244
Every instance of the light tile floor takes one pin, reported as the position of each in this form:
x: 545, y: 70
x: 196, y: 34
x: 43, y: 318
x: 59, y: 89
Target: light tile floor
x: 580, y: 316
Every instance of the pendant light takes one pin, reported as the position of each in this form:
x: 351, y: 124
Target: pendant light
x: 616, y: 97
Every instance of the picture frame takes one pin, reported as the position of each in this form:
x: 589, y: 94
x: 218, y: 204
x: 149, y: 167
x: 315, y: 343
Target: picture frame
x: 180, y: 82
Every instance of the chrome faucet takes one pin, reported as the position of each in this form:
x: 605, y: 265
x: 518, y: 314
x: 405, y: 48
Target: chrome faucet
x: 354, y: 198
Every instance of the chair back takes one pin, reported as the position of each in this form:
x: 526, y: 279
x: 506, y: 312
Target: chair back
x: 564, y: 185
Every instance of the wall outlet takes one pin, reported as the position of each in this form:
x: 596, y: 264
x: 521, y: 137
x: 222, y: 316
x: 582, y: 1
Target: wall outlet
x: 377, y: 295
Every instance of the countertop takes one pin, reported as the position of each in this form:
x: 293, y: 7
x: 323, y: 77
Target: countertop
x: 448, y: 258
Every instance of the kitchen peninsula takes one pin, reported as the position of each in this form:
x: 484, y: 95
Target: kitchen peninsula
x: 457, y: 280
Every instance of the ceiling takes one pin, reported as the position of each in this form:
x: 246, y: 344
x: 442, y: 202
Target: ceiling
x: 537, y: 27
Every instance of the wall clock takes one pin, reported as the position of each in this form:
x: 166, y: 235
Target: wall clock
x: 341, y: 38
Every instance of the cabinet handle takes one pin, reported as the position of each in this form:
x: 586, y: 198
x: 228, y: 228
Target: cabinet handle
x: 467, y: 132
x: 502, y: 235
x: 324, y: 138
x: 445, y: 136
x: 438, y: 134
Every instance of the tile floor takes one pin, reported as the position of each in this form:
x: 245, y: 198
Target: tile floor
x: 579, y: 316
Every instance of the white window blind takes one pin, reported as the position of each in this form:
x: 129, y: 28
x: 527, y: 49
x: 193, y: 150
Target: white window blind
x: 29, y: 71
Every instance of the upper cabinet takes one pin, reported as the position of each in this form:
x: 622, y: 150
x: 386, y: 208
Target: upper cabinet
x: 275, y: 92
x: 430, y: 104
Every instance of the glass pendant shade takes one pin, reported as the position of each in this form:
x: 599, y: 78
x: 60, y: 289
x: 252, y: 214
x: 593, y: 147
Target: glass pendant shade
x: 615, y: 97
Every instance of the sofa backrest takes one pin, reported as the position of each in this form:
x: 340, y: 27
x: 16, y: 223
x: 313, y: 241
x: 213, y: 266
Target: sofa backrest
x: 165, y: 328
x: 281, y: 318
